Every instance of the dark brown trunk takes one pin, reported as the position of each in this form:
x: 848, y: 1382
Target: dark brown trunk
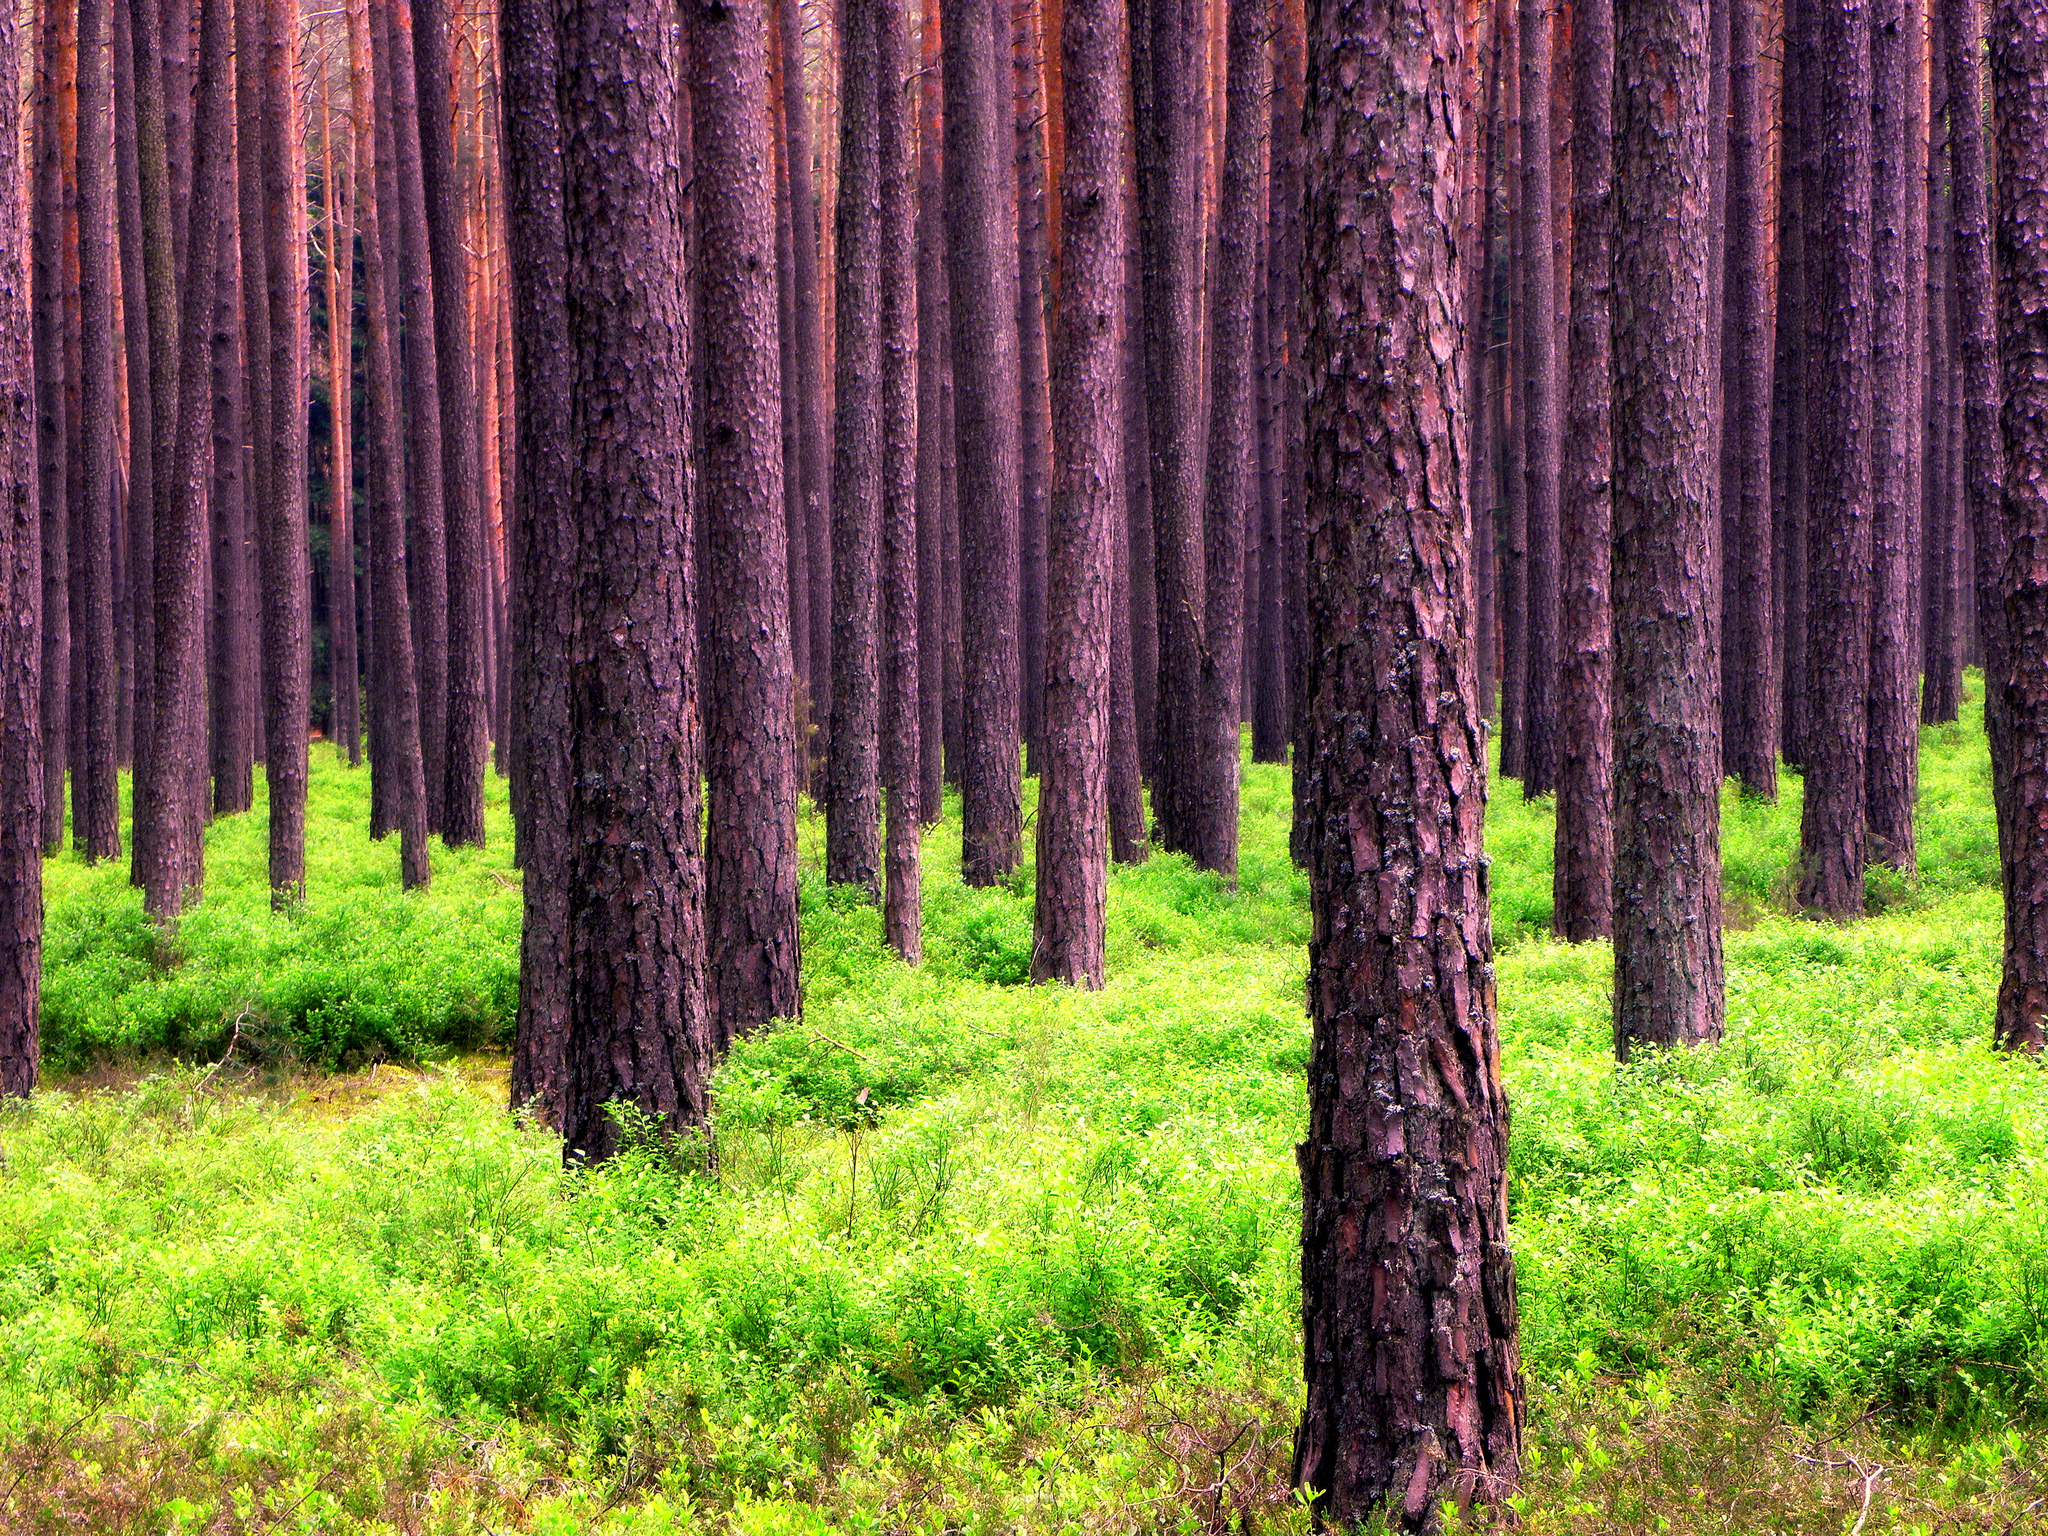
x: 96, y: 813
x: 135, y: 329
x: 795, y: 536
x: 1035, y: 424
x: 54, y: 500
x: 2019, y: 81
x: 232, y: 696
x: 1414, y: 1390
x: 1141, y: 548
x: 1537, y: 380
x: 637, y: 1031
x: 343, y: 667
x: 853, y: 793
x: 1898, y: 325
x: 1834, y: 818
x: 1074, y: 803
x: 1789, y: 458
x: 896, y: 109
x: 1667, y: 769
x: 21, y: 596
x: 750, y: 748
x: 1512, y: 562
x: 1941, y: 523
x: 1582, y: 886
x: 934, y: 445
x: 981, y: 240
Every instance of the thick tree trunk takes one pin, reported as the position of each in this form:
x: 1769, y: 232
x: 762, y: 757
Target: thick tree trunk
x: 468, y: 747
x: 543, y: 543
x: 1537, y: 369
x: 1074, y: 805
x: 853, y: 790
x: 175, y: 869
x: 901, y: 766
x: 1834, y: 816
x: 1582, y: 888
x: 1898, y: 326
x: 637, y: 1030
x: 1749, y: 670
x: 2019, y: 80
x: 1667, y: 768
x: 21, y: 597
x: 1414, y: 1391
x: 980, y: 233
x: 750, y: 747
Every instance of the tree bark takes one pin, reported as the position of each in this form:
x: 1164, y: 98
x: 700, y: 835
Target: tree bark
x: 980, y: 233
x: 1667, y: 760
x: 853, y: 794
x: 1537, y: 366
x: 232, y: 697
x: 1035, y: 445
x: 1898, y: 327
x: 1790, y: 405
x: 54, y: 497
x: 1074, y: 806
x: 339, y: 259
x: 795, y: 534
x: 637, y: 1030
x: 1941, y: 519
x: 21, y: 597
x: 1414, y: 1391
x: 750, y: 748
x: 2019, y: 81
x: 934, y: 446
x: 1582, y: 888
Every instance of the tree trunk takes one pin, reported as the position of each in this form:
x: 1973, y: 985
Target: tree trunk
x: 1141, y: 547
x: 795, y: 535
x: 896, y: 110
x: 934, y: 446
x: 750, y: 748
x: 173, y: 875
x: 21, y: 597
x: 1789, y: 455
x: 54, y: 499
x: 232, y: 697
x: 980, y: 234
x: 1074, y: 805
x: 1537, y: 365
x: 1512, y: 563
x: 1667, y: 768
x: 1582, y: 887
x: 1941, y: 525
x: 853, y: 794
x: 2019, y: 81
x: 97, y: 808
x: 1898, y: 325
x: 343, y: 666
x: 135, y: 329
x: 1414, y: 1391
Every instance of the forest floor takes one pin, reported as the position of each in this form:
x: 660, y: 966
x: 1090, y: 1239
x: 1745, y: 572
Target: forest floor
x: 970, y: 1256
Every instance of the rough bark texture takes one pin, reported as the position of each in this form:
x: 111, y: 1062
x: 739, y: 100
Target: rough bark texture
x: 853, y: 806
x: 1941, y: 510
x: 934, y: 447
x: 1087, y: 501
x: 982, y: 242
x: 814, y: 404
x: 344, y: 668
x: 21, y: 599
x: 795, y: 536
x: 135, y: 329
x: 1414, y: 1389
x: 96, y: 814
x: 468, y: 749
x: 1749, y: 668
x: 281, y: 513
x: 1898, y: 326
x: 2019, y: 79
x: 1536, y: 365
x: 1789, y: 397
x: 543, y: 543
x: 637, y: 1031
x: 901, y: 764
x: 1582, y: 888
x: 1839, y: 228
x: 1034, y: 442
x: 750, y: 748
x: 232, y: 700
x: 47, y: 201
x: 1667, y: 759
x: 1140, y: 545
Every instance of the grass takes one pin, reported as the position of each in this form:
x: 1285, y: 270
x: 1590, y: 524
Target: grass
x: 983, y: 1257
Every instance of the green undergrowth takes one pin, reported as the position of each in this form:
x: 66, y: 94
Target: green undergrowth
x: 965, y: 1255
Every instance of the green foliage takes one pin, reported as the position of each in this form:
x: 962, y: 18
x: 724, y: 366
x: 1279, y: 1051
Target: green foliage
x: 961, y: 1254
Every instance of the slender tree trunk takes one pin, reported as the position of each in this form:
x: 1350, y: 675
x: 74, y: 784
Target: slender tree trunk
x: 1667, y: 769
x: 135, y: 327
x: 853, y: 795
x: 1898, y: 326
x: 750, y: 748
x: 1140, y: 545
x: 343, y: 666
x: 1582, y: 889
x: 97, y: 811
x: 1790, y: 462
x: 21, y: 596
x: 896, y: 109
x: 1941, y: 524
x: 1839, y: 389
x: 2019, y: 80
x: 637, y: 1031
x: 174, y: 873
x: 54, y: 498
x: 1074, y: 803
x: 1414, y: 1391
x: 795, y: 535
x: 985, y: 404
x: 1035, y: 424
x: 934, y: 447
x: 232, y: 696
x: 544, y: 541
x: 1537, y: 365
x: 1512, y: 564
x: 468, y: 747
